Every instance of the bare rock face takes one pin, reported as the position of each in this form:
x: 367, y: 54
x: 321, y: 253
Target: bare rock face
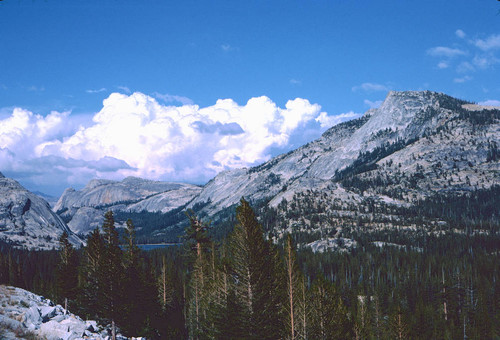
x: 26, y: 219
x: 416, y: 144
x: 29, y: 316
x: 409, y: 133
x: 84, y: 209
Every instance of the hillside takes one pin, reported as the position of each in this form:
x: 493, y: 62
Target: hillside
x: 26, y: 219
x: 84, y: 209
x: 415, y: 148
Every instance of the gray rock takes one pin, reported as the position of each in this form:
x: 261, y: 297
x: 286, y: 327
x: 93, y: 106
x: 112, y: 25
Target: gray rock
x: 27, y: 220
x: 85, y: 208
x: 47, y: 313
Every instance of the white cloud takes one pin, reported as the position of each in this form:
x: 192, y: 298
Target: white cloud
x: 34, y: 88
x: 484, y: 61
x: 102, y: 89
x: 443, y: 64
x: 442, y: 51
x: 459, y: 33
x: 490, y: 43
x: 465, y: 67
x: 462, y: 80
x: 490, y: 102
x: 295, y: 82
x: 373, y: 105
x: 227, y: 47
x: 327, y: 121
x: 136, y: 135
x: 371, y: 87
x: 124, y: 89
x: 169, y: 98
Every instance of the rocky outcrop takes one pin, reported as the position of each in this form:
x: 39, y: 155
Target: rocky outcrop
x: 416, y: 144
x: 445, y: 131
x: 32, y: 316
x: 26, y: 219
x: 84, y: 209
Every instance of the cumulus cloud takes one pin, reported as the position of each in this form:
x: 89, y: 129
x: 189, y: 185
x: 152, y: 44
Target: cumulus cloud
x: 136, y: 135
x: 442, y: 51
x: 371, y: 87
x: 327, y: 121
x: 169, y: 98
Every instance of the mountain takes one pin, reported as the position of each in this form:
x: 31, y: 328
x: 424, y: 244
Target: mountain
x: 26, y: 219
x: 387, y: 168
x: 84, y: 209
x: 422, y: 133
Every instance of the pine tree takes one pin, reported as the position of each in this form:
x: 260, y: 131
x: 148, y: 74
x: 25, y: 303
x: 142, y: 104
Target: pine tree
x: 256, y: 287
x: 398, y: 327
x: 329, y: 317
x: 295, y: 306
x: 199, y: 286
x: 112, y: 271
x: 92, y: 274
x: 67, y: 270
x: 133, y: 314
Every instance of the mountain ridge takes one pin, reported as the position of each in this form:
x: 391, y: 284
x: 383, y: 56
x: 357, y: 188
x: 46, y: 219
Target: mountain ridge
x: 416, y: 143
x: 26, y: 220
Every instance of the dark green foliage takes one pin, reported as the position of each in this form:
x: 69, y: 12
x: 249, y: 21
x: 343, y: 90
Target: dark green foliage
x: 366, y: 161
x: 427, y: 289
x: 254, y: 269
x: 67, y: 270
x: 329, y: 318
x: 92, y: 277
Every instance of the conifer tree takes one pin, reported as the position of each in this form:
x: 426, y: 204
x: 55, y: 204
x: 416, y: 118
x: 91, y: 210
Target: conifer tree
x: 256, y: 287
x: 133, y: 313
x: 67, y: 270
x: 295, y: 306
x: 398, y: 327
x: 199, y: 286
x: 329, y: 318
x: 92, y: 279
x: 112, y: 271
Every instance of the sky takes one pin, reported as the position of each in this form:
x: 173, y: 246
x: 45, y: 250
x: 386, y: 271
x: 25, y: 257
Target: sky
x: 182, y: 90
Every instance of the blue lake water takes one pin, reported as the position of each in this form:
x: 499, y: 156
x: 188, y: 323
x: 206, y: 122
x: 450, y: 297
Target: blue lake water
x: 158, y: 245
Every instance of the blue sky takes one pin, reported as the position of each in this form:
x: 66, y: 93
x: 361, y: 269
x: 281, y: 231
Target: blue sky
x: 197, y: 87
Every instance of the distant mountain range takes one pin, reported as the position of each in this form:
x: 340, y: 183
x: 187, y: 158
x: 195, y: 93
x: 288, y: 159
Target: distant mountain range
x: 376, y: 169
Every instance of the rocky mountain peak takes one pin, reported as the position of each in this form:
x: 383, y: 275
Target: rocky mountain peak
x: 26, y: 219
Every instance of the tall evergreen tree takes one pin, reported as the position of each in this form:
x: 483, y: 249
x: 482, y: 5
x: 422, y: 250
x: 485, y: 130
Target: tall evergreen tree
x: 329, y: 317
x: 92, y: 274
x: 256, y: 285
x: 198, y: 241
x: 112, y: 271
x: 295, y: 308
x: 133, y: 314
x: 67, y: 271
